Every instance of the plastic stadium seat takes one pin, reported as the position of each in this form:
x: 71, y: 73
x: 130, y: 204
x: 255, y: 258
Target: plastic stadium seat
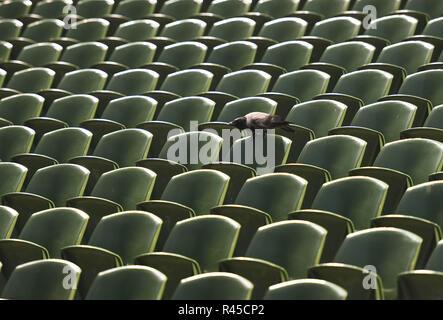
x: 422, y: 89
x: 2, y: 75
x: 432, y: 128
x: 135, y: 9
x: 18, y: 108
x: 8, y: 218
x: 419, y: 212
x: 30, y: 80
x: 115, y: 191
x: 324, y: 159
x: 43, y: 236
x: 183, y: 30
x: 50, y: 9
x: 228, y: 57
x: 278, y: 252
x: 295, y: 87
x: 423, y: 284
x: 359, y: 88
x: 261, y: 201
x: 432, y: 34
x: 383, y: 7
x: 343, y: 206
x: 79, y: 56
x: 5, y: 52
x: 310, y: 120
x: 422, y: 10
x: 55, y: 147
x: 128, y: 283
x: 306, y: 289
x: 214, y: 286
x: 176, y: 57
x: 94, y: 8
x: 136, y: 30
x: 424, y: 157
x: 116, y: 240
x: 276, y: 10
x: 379, y: 123
x: 42, y: 280
x: 326, y: 9
x: 126, y: 56
x: 377, y: 247
x: 120, y: 113
x: 388, y: 30
x: 15, y: 140
x: 232, y: 29
x: 13, y: 175
x: 283, y: 57
x: 49, y: 187
x: 177, y: 201
x: 178, y: 114
x: 194, y: 245
x: 10, y: 28
x: 238, y: 84
x: 229, y: 8
x: 121, y: 148
x: 64, y: 112
x: 34, y: 55
x: 341, y: 58
x: 92, y: 29
x: 180, y: 9
x: 394, y: 60
x: 14, y: 9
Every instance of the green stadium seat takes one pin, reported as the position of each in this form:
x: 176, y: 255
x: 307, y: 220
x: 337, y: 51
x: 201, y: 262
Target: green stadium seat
x: 15, y: 140
x: 14, y: 9
x: 128, y: 283
x: 136, y: 30
x: 18, y: 108
x: 324, y: 159
x: 49, y: 187
x: 228, y: 8
x: 42, y: 280
x: 343, y: 206
x: 50, y: 9
x: 13, y: 175
x: 238, y: 84
x: 341, y: 58
x: 34, y: 55
x: 422, y: 11
x: 116, y: 240
x: 378, y: 248
x: 120, y: 113
x: 422, y: 89
x: 2, y: 75
x: 5, y: 52
x: 10, y: 28
x: 310, y: 120
x: 359, y: 88
x: 383, y: 7
x: 92, y: 29
x: 64, y: 112
x: 278, y: 252
x: 379, y: 123
x: 43, y: 236
x: 276, y: 10
x: 432, y: 128
x: 178, y: 202
x: 419, y: 212
x: 423, y: 284
x: 295, y: 87
x: 432, y: 34
x: 117, y: 149
x: 135, y: 9
x: 261, y: 201
x: 94, y: 8
x: 305, y: 289
x: 326, y: 9
x: 8, y: 218
x: 228, y: 57
x: 180, y: 9
x: 424, y: 157
x: 55, y: 147
x: 131, y: 55
x: 30, y: 80
x: 115, y: 191
x: 214, y: 286
x: 183, y: 30
x: 195, y: 245
x: 228, y: 30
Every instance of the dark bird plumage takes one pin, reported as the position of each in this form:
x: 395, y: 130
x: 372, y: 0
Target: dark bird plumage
x: 260, y: 120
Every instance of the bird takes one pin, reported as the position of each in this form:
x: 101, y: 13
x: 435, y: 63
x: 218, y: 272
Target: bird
x: 260, y: 120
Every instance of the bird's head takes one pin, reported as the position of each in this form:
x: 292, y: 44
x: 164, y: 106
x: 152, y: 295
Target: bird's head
x: 239, y: 123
